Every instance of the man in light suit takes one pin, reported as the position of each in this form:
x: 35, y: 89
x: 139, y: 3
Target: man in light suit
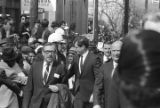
x: 42, y: 79
x: 108, y: 71
x: 85, y: 68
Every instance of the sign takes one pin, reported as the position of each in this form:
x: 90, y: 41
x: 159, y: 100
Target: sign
x: 100, y: 46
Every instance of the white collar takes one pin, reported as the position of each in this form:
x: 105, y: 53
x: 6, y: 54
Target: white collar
x: 85, y: 54
x: 115, y: 64
x: 45, y: 63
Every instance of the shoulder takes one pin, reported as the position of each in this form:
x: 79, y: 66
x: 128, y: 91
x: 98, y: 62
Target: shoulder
x: 37, y: 63
x: 108, y: 65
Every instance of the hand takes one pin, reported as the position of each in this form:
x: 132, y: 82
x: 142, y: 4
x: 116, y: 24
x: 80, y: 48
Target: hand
x: 53, y: 88
x: 21, y: 79
x: 91, y: 99
x: 96, y: 106
x: 21, y: 93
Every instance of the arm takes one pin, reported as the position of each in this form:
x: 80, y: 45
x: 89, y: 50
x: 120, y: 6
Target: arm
x: 98, y: 85
x: 113, y: 95
x: 11, y: 85
x: 28, y: 91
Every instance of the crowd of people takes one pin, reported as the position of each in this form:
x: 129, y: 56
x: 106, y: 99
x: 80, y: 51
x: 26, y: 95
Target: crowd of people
x: 42, y: 68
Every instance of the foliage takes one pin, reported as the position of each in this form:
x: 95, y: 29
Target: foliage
x: 113, y: 10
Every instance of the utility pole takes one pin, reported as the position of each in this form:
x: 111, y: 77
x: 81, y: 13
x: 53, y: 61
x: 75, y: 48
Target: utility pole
x: 95, y: 21
x: 33, y: 12
x: 126, y: 17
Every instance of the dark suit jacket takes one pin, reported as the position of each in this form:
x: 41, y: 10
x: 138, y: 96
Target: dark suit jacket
x: 103, y: 83
x: 84, y: 82
x: 35, y: 90
x: 116, y: 98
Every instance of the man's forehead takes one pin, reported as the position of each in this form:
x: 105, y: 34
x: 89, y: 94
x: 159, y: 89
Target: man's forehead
x: 117, y: 45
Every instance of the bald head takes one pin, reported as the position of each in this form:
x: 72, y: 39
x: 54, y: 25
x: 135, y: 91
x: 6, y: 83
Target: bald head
x: 115, y: 50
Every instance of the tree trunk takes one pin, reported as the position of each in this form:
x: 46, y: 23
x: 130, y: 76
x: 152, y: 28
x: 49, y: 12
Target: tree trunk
x: 126, y: 17
x: 33, y: 12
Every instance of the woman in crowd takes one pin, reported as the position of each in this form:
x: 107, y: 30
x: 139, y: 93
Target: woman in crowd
x: 13, y: 72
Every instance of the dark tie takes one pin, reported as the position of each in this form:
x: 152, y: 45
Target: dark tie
x: 46, y: 73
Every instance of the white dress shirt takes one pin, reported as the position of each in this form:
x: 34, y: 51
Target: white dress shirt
x: 105, y: 58
x: 44, y: 68
x: 114, y: 67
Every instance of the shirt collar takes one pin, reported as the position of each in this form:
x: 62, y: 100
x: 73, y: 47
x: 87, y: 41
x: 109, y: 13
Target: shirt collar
x: 45, y: 63
x: 85, y: 53
x: 115, y: 64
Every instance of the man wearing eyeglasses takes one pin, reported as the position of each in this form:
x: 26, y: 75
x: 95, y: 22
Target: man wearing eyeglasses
x: 42, y: 79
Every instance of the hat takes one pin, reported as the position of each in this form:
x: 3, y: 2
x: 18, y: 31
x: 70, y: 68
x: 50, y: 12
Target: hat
x: 8, y: 40
x: 26, y: 49
x: 60, y: 31
x: 9, y: 54
x: 31, y: 40
x: 54, y: 37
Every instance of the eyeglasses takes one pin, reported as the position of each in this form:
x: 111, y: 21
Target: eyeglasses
x: 47, y: 52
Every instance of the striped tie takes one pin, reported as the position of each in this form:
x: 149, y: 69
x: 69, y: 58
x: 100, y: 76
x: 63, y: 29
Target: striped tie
x: 46, y: 73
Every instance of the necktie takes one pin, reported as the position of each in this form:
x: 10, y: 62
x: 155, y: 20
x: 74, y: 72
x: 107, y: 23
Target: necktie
x: 46, y: 73
x: 113, y: 71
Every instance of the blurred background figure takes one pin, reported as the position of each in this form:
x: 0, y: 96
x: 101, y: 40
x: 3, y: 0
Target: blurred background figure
x: 139, y: 66
x: 151, y: 21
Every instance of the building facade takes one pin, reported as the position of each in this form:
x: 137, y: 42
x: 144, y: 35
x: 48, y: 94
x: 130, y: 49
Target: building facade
x: 46, y: 9
x: 11, y: 8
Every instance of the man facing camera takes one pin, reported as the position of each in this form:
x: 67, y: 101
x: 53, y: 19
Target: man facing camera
x: 85, y: 68
x: 42, y: 79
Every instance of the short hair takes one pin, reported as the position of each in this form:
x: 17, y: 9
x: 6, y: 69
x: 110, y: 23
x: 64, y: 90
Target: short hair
x: 54, y: 24
x: 45, y: 23
x: 117, y: 42
x: 49, y: 44
x: 82, y: 40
